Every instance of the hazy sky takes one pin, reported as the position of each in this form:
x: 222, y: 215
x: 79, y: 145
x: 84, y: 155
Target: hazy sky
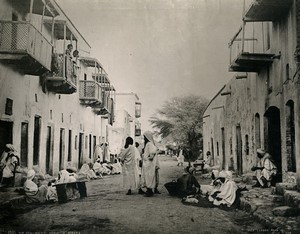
x: 159, y: 48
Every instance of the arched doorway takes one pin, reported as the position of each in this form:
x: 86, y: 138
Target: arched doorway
x: 273, y: 138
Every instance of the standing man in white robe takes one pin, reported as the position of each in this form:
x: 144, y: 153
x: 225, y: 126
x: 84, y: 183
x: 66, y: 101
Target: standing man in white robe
x: 138, y: 168
x: 149, y: 164
x: 127, y: 158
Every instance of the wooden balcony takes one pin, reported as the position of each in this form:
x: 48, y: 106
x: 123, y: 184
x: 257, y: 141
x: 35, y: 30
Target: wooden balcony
x: 103, y: 80
x: 24, y: 46
x: 90, y: 93
x: 104, y: 109
x: 249, y: 49
x: 267, y: 10
x: 63, y: 76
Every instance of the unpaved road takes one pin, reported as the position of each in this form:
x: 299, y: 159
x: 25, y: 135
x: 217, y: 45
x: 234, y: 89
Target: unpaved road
x: 108, y: 210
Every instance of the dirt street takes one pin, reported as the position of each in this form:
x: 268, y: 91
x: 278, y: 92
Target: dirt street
x: 108, y: 210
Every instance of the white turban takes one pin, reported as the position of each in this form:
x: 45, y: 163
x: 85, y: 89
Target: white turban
x: 149, y: 136
x: 30, y: 174
x: 223, y: 174
x: 260, y: 151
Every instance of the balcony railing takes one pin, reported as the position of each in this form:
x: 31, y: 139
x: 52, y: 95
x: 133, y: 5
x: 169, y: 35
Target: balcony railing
x: 101, y: 78
x: 63, y: 76
x: 249, y: 48
x: 267, y: 10
x: 21, y: 43
x: 90, y: 93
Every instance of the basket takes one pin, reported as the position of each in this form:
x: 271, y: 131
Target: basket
x: 172, y: 188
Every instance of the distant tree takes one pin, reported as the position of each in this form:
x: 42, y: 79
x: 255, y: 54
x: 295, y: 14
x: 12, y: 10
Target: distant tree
x: 180, y: 119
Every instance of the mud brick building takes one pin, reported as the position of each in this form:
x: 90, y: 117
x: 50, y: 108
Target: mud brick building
x: 259, y: 106
x: 54, y: 108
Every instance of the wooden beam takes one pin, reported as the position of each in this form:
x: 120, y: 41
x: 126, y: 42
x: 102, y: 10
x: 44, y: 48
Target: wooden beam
x: 226, y: 93
x: 49, y: 9
x: 244, y: 76
x: 218, y: 107
x: 205, y: 116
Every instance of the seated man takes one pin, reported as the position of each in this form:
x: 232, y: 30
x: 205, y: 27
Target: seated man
x: 97, y: 167
x: 224, y: 191
x: 265, y: 170
x: 187, y: 184
x: 87, y: 170
x: 33, y: 193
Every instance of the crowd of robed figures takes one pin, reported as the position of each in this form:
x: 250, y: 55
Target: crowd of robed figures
x: 140, y: 170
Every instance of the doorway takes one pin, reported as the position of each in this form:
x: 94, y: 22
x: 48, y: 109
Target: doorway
x: 223, y: 148
x: 36, y: 139
x: 24, y: 144
x: 273, y: 138
x: 212, y: 161
x: 6, y: 129
x: 49, y: 151
x: 80, y: 150
x: 62, y: 149
x: 239, y: 156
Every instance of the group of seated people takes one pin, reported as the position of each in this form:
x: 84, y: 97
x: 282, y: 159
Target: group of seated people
x: 40, y: 188
x: 73, y: 181
x: 98, y: 169
x: 222, y: 190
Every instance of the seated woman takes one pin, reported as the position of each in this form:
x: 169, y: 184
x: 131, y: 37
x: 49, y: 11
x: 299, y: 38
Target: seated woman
x: 33, y: 193
x: 97, y: 167
x: 108, y: 166
x: 39, y: 177
x: 225, y: 194
x: 187, y: 184
x: 86, y: 170
x: 117, y: 167
x: 65, y: 177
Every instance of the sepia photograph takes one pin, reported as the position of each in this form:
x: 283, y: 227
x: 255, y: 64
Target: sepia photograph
x: 149, y: 116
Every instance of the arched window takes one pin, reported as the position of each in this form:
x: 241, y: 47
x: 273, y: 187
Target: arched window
x: 290, y: 136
